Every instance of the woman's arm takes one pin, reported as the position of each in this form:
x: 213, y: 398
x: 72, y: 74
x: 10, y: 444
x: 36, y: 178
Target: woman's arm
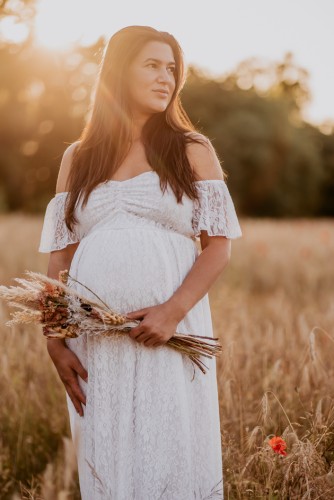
x: 216, y: 250
x: 60, y: 260
x: 204, y: 272
x: 66, y: 362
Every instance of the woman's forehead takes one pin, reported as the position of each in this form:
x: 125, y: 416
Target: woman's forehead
x: 159, y: 51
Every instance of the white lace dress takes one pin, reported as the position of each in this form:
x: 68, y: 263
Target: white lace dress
x: 151, y: 426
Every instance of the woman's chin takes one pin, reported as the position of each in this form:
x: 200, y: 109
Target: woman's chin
x: 159, y: 109
x: 152, y: 109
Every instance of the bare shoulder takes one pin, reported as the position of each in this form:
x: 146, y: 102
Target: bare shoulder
x: 203, y: 158
x: 65, y: 167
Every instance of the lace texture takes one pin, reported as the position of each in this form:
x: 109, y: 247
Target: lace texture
x: 215, y: 211
x: 55, y: 234
x: 151, y: 427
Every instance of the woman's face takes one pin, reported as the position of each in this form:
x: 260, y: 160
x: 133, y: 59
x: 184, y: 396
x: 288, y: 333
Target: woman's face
x: 152, y: 70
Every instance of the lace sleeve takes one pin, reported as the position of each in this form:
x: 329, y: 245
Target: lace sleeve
x: 215, y: 211
x: 55, y: 234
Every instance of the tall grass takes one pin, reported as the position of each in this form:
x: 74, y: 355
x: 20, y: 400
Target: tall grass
x: 273, y: 310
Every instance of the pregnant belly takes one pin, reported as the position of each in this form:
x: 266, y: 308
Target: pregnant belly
x: 130, y: 268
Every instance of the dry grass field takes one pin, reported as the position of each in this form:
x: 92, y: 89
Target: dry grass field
x: 273, y: 309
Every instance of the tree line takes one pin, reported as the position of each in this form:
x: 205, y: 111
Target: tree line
x: 277, y: 164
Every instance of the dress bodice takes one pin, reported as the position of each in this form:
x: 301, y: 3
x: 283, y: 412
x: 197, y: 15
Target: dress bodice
x: 135, y: 202
x: 139, y: 202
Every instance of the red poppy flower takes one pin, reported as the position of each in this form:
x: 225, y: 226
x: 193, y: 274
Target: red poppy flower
x: 278, y: 445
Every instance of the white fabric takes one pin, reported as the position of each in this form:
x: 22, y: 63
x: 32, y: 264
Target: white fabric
x: 151, y: 426
x: 215, y: 212
x: 55, y: 234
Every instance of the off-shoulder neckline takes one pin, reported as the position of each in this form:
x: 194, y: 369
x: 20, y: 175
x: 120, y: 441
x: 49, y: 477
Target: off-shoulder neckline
x: 111, y: 181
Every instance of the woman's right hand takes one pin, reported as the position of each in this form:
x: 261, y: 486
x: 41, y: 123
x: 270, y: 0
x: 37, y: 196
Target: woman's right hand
x: 69, y: 367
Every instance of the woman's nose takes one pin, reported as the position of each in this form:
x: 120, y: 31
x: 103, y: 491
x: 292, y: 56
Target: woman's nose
x: 164, y: 75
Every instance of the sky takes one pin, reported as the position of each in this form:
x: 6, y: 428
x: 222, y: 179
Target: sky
x: 215, y: 35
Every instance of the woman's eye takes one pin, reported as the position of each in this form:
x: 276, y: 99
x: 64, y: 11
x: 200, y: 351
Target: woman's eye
x: 172, y: 68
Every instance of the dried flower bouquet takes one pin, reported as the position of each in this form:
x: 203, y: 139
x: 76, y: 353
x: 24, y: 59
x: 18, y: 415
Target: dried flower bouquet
x: 64, y: 313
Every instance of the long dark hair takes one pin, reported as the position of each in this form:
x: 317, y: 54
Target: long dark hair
x: 104, y: 142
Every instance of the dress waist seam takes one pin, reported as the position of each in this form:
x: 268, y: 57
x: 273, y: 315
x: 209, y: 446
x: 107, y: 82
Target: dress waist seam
x: 144, y: 228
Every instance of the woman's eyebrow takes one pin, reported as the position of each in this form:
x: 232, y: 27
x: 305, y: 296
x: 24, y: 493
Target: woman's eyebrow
x: 158, y: 60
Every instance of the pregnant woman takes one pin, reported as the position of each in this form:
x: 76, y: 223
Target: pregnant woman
x: 134, y: 195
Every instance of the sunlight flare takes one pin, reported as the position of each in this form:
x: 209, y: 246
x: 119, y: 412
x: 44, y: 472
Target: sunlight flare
x: 58, y: 25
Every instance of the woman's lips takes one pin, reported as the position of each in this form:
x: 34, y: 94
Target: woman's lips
x: 161, y: 92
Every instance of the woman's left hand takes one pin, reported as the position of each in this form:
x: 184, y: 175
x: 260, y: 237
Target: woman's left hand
x: 158, y: 324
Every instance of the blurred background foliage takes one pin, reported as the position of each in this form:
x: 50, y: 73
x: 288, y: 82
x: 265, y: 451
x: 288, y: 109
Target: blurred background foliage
x: 277, y: 164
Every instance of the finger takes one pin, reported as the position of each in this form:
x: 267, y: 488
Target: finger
x: 75, y: 401
x: 81, y: 371
x: 157, y: 344
x: 135, y: 332
x: 77, y: 391
x: 148, y: 341
x: 136, y: 314
x: 142, y: 337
